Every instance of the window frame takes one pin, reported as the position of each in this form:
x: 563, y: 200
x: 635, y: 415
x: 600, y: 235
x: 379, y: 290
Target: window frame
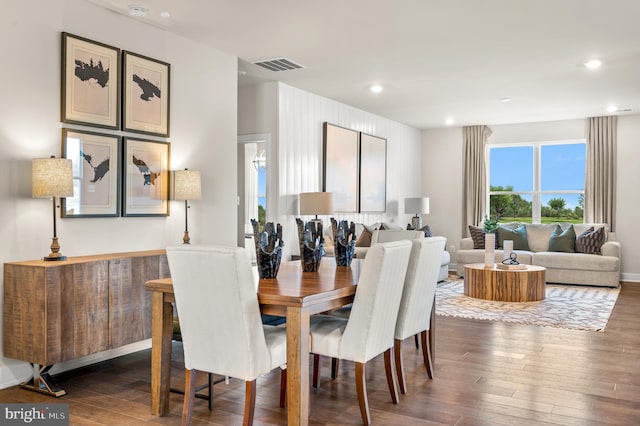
x: 536, y: 193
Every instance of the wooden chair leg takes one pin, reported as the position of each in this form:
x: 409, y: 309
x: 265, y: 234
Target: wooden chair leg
x: 415, y: 337
x: 189, y: 395
x: 283, y: 388
x: 426, y: 354
x: 210, y: 391
x: 249, y: 403
x: 335, y: 362
x: 397, y: 349
x: 361, y: 389
x: 391, y: 378
x: 316, y: 369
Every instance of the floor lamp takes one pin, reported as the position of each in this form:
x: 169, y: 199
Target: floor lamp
x: 186, y: 187
x: 51, y: 178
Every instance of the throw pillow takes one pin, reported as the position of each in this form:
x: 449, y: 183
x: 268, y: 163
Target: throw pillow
x: 563, y: 240
x: 518, y: 236
x: 364, y: 240
x: 425, y: 229
x: 477, y: 235
x: 590, y: 241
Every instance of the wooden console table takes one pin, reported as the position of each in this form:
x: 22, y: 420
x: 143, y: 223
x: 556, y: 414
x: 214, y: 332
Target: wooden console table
x: 60, y: 310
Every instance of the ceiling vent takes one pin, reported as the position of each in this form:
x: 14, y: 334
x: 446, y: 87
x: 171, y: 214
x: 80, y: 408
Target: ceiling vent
x: 282, y: 64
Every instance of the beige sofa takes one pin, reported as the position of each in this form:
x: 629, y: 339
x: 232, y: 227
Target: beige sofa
x: 565, y: 268
x: 386, y: 235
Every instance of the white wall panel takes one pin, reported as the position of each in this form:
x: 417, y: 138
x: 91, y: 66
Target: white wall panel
x: 300, y: 118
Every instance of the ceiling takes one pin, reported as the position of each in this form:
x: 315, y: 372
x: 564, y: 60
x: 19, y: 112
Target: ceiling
x: 436, y: 59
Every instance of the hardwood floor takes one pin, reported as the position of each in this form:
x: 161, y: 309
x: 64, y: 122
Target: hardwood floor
x: 486, y: 373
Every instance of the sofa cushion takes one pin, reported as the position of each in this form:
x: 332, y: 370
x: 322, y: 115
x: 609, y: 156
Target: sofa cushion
x: 590, y: 241
x: 576, y: 261
x: 564, y: 241
x: 518, y: 236
x: 538, y: 235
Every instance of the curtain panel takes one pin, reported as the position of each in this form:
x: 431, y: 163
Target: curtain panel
x: 600, y: 179
x: 474, y: 179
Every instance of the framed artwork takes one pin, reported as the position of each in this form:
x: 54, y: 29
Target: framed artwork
x: 90, y: 89
x: 96, y: 174
x: 146, y: 178
x: 373, y: 174
x: 340, y: 161
x: 146, y: 95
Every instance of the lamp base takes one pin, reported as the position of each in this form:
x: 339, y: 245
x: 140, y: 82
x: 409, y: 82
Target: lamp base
x: 56, y: 257
x: 416, y: 222
x: 55, y: 246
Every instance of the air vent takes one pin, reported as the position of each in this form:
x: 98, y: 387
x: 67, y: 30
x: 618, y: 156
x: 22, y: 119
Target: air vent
x: 281, y: 64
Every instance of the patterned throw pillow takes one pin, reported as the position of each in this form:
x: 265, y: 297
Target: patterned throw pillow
x: 590, y: 241
x: 563, y: 240
x: 477, y: 235
x: 518, y: 236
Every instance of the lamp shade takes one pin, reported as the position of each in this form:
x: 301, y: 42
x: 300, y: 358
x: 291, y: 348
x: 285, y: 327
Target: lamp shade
x: 416, y: 205
x: 51, y: 177
x: 316, y: 203
x: 186, y: 185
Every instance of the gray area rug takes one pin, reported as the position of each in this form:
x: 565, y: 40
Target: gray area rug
x: 565, y: 306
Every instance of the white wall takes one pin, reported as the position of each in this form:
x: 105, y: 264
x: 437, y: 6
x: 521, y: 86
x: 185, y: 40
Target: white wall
x: 443, y: 149
x: 298, y: 143
x: 203, y: 136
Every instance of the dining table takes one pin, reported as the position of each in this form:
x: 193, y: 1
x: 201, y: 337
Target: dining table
x: 293, y: 294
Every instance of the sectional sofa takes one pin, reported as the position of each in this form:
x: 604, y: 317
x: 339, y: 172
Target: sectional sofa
x: 562, y: 267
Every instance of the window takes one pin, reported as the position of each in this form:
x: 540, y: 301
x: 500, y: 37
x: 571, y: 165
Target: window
x: 540, y: 182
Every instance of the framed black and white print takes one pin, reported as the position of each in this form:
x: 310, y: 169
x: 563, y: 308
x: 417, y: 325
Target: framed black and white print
x: 146, y: 177
x: 340, y: 158
x: 96, y: 174
x: 90, y: 89
x: 146, y: 95
x: 373, y: 174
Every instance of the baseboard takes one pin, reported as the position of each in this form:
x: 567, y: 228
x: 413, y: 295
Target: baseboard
x: 15, y: 372
x: 630, y: 278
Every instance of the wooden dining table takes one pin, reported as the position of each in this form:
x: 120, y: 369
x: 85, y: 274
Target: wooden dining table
x: 294, y: 294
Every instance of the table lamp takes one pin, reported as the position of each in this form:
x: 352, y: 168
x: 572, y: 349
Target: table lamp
x: 186, y: 186
x: 315, y: 203
x: 417, y: 206
x: 51, y: 178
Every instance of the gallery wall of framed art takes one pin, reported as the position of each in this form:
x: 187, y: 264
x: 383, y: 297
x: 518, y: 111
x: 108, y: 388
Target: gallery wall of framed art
x: 114, y: 91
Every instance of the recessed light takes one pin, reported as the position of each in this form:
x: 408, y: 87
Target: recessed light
x: 376, y: 89
x: 505, y: 99
x: 593, y: 64
x: 135, y: 10
x: 165, y: 15
x: 612, y: 108
x: 449, y: 121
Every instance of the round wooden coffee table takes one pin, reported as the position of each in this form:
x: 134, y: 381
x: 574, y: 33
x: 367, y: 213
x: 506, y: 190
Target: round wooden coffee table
x: 525, y: 285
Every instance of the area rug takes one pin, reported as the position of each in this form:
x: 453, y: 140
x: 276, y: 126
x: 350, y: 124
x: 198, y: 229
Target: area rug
x: 565, y: 306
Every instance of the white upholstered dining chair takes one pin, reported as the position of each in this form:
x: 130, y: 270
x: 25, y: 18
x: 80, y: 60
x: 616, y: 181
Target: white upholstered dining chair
x: 418, y: 296
x: 369, y: 330
x: 220, y: 322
